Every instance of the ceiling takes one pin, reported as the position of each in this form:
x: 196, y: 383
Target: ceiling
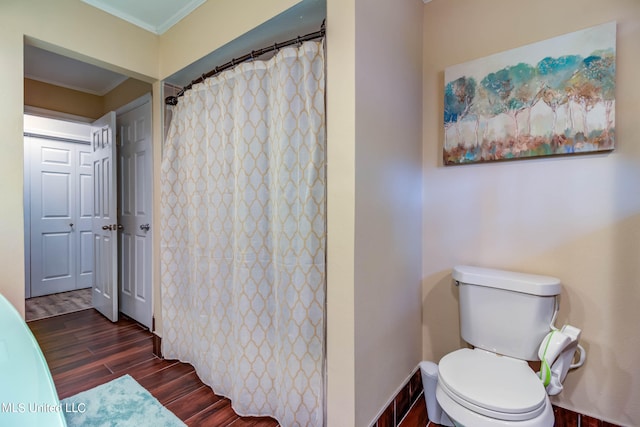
x: 46, y: 66
x: 58, y: 70
x: 156, y: 16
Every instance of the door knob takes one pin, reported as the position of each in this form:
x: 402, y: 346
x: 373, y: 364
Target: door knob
x: 71, y: 224
x: 120, y: 227
x: 106, y: 227
x: 144, y: 227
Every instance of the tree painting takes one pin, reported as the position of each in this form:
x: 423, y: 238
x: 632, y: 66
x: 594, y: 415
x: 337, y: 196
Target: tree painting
x: 548, y: 98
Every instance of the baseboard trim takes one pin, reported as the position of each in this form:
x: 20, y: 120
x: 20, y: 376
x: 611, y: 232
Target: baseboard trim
x: 567, y: 418
x: 402, y: 402
x: 157, y: 345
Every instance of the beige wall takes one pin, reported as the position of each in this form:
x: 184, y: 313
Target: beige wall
x: 576, y: 218
x: 341, y: 137
x: 124, y: 93
x: 388, y: 199
x: 69, y: 101
x: 374, y: 203
x: 56, y: 98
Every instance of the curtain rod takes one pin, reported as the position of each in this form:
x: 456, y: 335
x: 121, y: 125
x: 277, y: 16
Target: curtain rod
x: 173, y: 100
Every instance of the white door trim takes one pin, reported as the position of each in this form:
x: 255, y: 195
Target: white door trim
x: 43, y: 112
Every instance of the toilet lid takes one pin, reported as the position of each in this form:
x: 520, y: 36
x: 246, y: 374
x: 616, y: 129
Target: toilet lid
x: 506, y: 388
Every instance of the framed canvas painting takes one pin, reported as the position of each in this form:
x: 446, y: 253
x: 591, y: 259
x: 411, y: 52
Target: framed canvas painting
x: 554, y: 97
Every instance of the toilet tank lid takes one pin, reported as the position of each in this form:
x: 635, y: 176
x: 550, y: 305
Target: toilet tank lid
x: 533, y: 284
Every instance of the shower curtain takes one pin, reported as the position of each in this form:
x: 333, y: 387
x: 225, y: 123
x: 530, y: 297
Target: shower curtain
x: 243, y: 235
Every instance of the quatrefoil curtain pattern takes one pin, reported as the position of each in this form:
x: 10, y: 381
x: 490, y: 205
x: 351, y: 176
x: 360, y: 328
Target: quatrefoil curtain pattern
x: 243, y: 235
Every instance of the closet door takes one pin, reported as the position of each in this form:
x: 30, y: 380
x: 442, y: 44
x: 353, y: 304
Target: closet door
x: 53, y: 223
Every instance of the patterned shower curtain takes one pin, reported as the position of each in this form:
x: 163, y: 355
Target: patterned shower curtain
x: 243, y: 235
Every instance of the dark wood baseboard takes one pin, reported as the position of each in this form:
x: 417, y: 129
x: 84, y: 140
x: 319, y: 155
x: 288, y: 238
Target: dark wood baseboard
x: 406, y: 399
x: 567, y: 418
x: 157, y: 346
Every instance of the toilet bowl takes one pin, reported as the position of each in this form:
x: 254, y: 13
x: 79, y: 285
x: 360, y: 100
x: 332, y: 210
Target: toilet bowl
x: 508, y: 319
x: 478, y: 388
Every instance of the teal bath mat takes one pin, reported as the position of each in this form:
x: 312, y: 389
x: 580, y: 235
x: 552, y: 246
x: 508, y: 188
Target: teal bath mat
x: 118, y: 403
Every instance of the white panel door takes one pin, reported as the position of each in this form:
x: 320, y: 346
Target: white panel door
x: 84, y: 216
x: 135, y: 175
x: 104, y: 221
x: 53, y: 204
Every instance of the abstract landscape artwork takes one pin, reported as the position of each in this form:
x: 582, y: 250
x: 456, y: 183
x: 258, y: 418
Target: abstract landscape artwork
x: 553, y: 97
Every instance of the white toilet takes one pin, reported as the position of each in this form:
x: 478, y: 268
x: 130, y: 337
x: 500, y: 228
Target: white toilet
x: 508, y: 318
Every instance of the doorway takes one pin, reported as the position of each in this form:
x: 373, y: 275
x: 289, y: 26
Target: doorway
x: 132, y: 277
x: 64, y: 200
x: 58, y: 199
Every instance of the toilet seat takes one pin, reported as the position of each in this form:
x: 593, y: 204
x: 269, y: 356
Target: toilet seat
x: 495, y: 386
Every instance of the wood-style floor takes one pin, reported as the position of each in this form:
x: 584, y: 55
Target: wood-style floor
x: 56, y: 304
x: 84, y: 350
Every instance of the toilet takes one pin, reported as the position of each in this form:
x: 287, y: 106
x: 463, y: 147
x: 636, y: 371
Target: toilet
x: 508, y: 319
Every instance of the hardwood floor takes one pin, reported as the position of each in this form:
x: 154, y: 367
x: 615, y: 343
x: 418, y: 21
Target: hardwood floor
x: 84, y: 350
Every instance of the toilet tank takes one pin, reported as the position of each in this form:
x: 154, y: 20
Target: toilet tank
x: 505, y: 312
